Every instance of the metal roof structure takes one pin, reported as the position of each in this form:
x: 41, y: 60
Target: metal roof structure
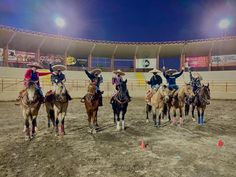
x: 30, y: 41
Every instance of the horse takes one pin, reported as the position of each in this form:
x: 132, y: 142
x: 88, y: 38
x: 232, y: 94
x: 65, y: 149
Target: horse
x: 177, y: 102
x: 202, y: 98
x: 30, y: 104
x: 56, y: 107
x: 91, y: 101
x: 120, y: 104
x: 158, y: 101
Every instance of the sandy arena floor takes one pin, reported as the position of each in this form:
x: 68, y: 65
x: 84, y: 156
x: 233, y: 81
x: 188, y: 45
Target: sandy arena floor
x: 171, y: 150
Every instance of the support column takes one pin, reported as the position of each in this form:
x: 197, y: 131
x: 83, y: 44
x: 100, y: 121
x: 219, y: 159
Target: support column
x: 5, y: 56
x: 210, y: 61
x: 113, y: 59
x: 65, y: 56
x: 182, y: 60
x: 135, y: 58
x: 37, y: 55
x: 158, y: 58
x: 89, y: 61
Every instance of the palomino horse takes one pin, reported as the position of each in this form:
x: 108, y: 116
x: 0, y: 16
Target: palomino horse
x: 120, y: 104
x: 178, y: 102
x: 91, y: 101
x: 30, y: 105
x: 202, y: 98
x: 158, y: 101
x: 56, y: 107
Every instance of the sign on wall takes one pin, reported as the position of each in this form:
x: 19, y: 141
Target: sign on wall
x: 25, y: 57
x: 223, y: 60
x: 45, y: 60
x: 1, y: 54
x: 197, y: 62
x: 79, y: 62
x: 146, y: 63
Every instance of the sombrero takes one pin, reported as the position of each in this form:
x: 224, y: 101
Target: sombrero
x: 35, y: 64
x: 59, y: 67
x: 197, y: 75
x: 171, y: 71
x: 154, y: 70
x: 119, y: 72
x: 96, y: 70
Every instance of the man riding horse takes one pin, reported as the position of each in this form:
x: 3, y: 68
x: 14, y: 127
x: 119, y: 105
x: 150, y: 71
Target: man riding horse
x: 58, y: 76
x: 32, y: 75
x: 117, y: 80
x: 154, y: 82
x: 171, y: 75
x: 96, y: 80
x: 195, y: 81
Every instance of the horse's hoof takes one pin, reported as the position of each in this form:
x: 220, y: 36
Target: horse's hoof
x: 118, y: 129
x: 27, y: 138
x: 147, y: 121
x: 193, y: 120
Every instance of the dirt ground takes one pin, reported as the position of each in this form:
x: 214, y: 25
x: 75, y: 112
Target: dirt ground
x: 171, y: 150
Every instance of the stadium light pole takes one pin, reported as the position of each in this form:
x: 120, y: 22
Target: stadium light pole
x: 224, y: 25
x: 60, y: 22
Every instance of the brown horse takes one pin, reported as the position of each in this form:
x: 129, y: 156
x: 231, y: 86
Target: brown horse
x: 202, y: 98
x: 30, y: 105
x: 177, y: 102
x: 56, y: 107
x: 91, y: 101
x: 158, y: 101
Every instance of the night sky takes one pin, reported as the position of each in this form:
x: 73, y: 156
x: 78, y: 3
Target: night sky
x: 122, y: 20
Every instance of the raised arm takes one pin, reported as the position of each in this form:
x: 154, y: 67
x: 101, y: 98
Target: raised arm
x: 44, y: 74
x: 50, y: 68
x: 90, y: 76
x: 179, y: 74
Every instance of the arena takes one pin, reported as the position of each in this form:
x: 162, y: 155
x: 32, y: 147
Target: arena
x: 170, y: 150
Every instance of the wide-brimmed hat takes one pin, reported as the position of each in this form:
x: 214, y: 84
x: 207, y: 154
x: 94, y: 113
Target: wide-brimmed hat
x: 59, y: 67
x: 96, y: 70
x: 197, y: 75
x: 35, y: 64
x: 171, y: 71
x: 119, y: 72
x: 154, y: 70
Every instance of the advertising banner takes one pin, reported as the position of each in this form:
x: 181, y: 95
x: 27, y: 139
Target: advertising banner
x: 45, y: 60
x: 12, y: 55
x: 223, y: 60
x: 197, y: 62
x: 142, y: 63
x: 1, y: 54
x: 25, y: 57
x: 79, y: 62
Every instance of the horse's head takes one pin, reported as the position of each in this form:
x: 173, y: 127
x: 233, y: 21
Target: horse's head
x: 188, y: 90
x: 92, y: 88
x: 164, y: 91
x: 206, y: 91
x: 60, y: 88
x: 31, y: 88
x: 123, y: 86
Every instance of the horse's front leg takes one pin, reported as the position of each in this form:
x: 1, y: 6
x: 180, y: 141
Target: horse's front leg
x: 27, y: 129
x: 63, y: 115
x: 199, y: 116
x: 94, y: 122
x: 202, y: 116
x: 193, y: 108
x: 147, y: 111
x: 186, y: 109
x: 34, y: 125
x: 123, y: 119
x: 174, y: 119
x: 118, y: 120
x: 154, y: 116
x: 56, y: 121
x: 168, y: 113
x: 114, y: 116
x: 181, y: 120
x: 159, y: 117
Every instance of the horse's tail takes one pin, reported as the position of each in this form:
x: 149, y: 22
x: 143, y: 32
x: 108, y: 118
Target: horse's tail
x: 165, y: 109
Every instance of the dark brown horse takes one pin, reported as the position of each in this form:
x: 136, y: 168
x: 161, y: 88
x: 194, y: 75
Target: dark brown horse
x: 201, y: 101
x: 30, y: 105
x: 91, y: 101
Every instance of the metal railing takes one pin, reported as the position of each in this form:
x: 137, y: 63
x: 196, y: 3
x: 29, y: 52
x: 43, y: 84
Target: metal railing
x: 14, y: 84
